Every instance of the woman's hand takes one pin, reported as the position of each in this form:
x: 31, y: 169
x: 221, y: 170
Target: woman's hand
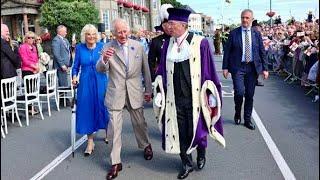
x: 74, y: 81
x: 36, y: 69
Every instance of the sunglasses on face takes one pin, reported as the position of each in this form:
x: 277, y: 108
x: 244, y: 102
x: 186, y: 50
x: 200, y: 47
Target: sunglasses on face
x: 30, y: 37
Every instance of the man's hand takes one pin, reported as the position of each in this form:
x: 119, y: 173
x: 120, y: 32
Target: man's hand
x: 147, y: 97
x: 225, y: 73
x: 265, y: 74
x: 64, y: 68
x: 107, y: 54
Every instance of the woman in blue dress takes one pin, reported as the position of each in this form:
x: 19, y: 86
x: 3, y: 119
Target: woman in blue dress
x: 91, y: 114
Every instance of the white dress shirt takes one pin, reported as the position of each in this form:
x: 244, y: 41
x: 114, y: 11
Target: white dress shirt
x: 243, y: 59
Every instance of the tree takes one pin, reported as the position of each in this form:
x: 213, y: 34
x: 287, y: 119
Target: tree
x: 174, y: 3
x: 71, y: 13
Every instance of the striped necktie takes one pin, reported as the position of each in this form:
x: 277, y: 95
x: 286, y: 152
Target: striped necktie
x: 126, y: 58
x: 247, y: 47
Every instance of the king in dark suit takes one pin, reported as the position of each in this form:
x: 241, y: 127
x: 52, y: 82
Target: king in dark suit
x: 245, y: 58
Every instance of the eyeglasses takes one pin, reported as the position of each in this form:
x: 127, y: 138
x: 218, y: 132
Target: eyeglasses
x: 38, y: 39
x: 30, y: 37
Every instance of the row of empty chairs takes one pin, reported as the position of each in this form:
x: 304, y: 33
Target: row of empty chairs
x: 31, y: 95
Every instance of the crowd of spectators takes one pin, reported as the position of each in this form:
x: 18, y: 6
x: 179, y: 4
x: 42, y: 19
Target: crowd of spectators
x: 293, y: 49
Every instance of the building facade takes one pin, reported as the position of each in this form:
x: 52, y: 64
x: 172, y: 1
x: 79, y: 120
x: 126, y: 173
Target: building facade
x: 23, y: 15
x: 136, y: 12
x: 195, y: 23
x: 207, y: 25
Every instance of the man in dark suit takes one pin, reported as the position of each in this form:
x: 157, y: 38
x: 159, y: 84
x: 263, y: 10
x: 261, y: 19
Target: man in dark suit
x: 61, y: 55
x: 157, y: 42
x: 10, y: 60
x: 244, y: 58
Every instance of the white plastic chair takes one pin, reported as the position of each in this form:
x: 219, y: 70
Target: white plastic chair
x: 2, y: 131
x: 65, y: 92
x: 50, y: 89
x: 9, y: 100
x: 31, y: 94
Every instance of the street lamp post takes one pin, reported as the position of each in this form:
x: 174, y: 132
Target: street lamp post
x: 270, y: 16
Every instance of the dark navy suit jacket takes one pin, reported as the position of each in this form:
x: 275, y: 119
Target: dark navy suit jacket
x: 233, y: 51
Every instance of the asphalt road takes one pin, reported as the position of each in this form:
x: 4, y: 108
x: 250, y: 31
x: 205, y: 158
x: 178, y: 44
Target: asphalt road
x: 290, y: 118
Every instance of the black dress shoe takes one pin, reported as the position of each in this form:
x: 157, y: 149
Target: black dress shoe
x: 258, y: 83
x: 237, y: 119
x: 113, y: 172
x: 185, y: 172
x: 201, y: 162
x: 249, y: 125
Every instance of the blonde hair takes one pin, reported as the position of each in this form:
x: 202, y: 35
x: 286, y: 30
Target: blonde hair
x: 28, y: 34
x: 89, y: 28
x: 37, y: 37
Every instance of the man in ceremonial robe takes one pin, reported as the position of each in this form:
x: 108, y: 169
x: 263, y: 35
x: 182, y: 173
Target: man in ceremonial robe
x: 187, y: 92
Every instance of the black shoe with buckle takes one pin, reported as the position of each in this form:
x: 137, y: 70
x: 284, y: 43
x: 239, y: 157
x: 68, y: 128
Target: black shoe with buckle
x: 186, y: 169
x: 249, y: 125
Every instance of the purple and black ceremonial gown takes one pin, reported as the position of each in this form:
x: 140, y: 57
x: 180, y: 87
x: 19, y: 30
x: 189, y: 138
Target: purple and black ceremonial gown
x: 208, y: 72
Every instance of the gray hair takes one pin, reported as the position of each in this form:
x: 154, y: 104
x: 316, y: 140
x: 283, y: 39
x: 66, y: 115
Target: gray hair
x: 86, y: 29
x: 116, y: 21
x: 60, y: 27
x: 247, y: 10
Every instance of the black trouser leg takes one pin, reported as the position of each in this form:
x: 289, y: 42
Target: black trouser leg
x: 201, y: 152
x: 185, y: 125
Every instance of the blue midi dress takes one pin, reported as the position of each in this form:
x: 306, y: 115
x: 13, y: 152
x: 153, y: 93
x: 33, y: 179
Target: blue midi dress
x: 91, y: 114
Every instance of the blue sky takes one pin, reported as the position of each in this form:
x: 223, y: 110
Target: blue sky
x: 230, y: 13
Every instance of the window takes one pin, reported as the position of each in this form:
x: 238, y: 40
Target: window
x: 143, y: 22
x: 138, y: 2
x: 155, y: 4
x: 106, y: 20
x: 114, y: 14
x: 136, y: 19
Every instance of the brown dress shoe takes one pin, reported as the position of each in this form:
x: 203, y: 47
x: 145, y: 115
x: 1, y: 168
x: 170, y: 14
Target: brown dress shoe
x: 148, y: 154
x: 113, y: 172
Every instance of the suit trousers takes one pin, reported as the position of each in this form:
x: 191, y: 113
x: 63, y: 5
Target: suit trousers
x: 244, y: 83
x: 63, y: 78
x: 185, y: 125
x: 139, y: 127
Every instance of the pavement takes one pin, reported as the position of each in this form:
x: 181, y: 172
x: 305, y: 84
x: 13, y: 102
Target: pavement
x: 289, y: 117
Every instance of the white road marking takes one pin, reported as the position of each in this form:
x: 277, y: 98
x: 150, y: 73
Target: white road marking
x: 283, y: 166
x: 41, y: 174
